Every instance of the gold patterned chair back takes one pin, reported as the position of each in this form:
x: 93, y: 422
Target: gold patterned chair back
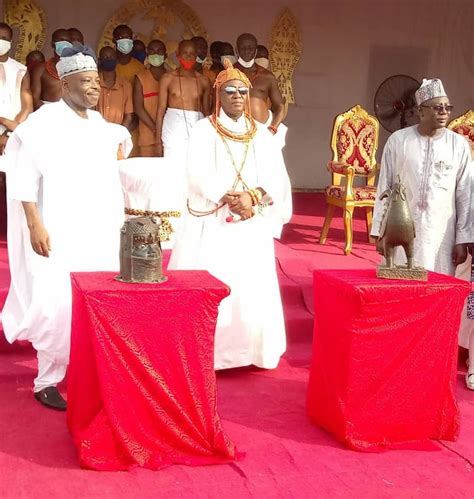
x: 355, y: 139
x: 464, y: 125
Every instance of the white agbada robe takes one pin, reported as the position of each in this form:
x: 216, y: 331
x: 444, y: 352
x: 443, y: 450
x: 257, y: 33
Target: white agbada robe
x: 11, y: 77
x: 68, y: 166
x: 250, y: 325
x: 437, y: 175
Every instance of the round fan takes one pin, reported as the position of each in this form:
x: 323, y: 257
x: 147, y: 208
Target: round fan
x: 394, y: 102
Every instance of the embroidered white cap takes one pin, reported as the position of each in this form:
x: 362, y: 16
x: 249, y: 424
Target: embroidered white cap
x: 76, y: 59
x: 429, y: 89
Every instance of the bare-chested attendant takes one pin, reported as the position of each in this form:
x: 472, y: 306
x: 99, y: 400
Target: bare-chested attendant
x: 45, y: 84
x: 146, y: 91
x: 184, y: 99
x: 264, y: 85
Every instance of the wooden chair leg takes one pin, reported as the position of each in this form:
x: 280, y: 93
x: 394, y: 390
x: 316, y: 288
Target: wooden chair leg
x: 327, y: 223
x: 368, y: 219
x: 348, y: 211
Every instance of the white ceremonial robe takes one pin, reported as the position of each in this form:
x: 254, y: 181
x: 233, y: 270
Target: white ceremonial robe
x: 68, y: 166
x: 437, y: 175
x: 250, y: 325
x: 11, y: 77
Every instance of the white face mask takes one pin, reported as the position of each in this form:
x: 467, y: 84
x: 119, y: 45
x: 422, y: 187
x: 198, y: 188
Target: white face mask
x: 5, y: 46
x: 125, y: 45
x: 262, y: 61
x: 231, y: 58
x: 246, y: 64
x: 199, y: 60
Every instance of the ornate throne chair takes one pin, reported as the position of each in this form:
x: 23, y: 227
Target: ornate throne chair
x: 354, y: 144
x: 464, y: 125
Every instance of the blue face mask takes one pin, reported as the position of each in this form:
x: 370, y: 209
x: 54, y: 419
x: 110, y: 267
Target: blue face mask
x: 60, y: 46
x: 107, y: 64
x: 125, y: 45
x: 139, y: 55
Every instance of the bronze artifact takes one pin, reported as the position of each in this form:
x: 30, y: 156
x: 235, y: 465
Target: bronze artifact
x: 140, y: 251
x: 397, y: 229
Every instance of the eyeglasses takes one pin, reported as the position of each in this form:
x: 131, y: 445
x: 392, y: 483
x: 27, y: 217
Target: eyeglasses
x: 243, y: 91
x: 439, y: 108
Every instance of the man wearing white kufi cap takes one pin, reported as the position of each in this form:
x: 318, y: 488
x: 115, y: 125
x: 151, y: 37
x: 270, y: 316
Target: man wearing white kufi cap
x: 434, y: 165
x: 65, y: 209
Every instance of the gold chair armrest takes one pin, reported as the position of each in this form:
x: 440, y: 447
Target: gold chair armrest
x: 340, y: 168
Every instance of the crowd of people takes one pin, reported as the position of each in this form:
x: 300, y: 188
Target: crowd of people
x: 89, y: 111
x: 221, y: 119
x: 139, y: 89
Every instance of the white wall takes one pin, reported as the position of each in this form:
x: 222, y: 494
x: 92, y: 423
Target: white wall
x: 349, y: 48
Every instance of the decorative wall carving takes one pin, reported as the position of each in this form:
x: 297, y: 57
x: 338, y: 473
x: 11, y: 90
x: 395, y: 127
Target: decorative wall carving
x: 285, y: 49
x: 29, y: 18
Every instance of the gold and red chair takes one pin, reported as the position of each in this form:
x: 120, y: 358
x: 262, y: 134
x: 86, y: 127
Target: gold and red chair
x: 354, y: 143
x: 464, y: 125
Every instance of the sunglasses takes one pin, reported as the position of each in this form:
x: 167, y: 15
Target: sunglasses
x: 243, y: 91
x: 439, y: 108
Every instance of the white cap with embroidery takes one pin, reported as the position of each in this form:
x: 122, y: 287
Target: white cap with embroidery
x: 429, y: 89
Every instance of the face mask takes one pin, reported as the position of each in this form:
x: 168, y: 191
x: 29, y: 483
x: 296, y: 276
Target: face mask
x: 186, y: 64
x: 125, y: 45
x: 200, y: 61
x: 60, y: 46
x: 139, y: 55
x: 156, y: 60
x: 5, y: 46
x: 107, y: 64
x: 231, y: 58
x: 246, y: 64
x: 262, y: 61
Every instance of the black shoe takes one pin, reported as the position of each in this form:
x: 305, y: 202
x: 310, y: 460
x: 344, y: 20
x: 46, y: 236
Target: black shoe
x: 50, y: 397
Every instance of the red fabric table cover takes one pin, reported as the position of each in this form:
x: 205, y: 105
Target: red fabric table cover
x: 384, y: 358
x: 141, y: 383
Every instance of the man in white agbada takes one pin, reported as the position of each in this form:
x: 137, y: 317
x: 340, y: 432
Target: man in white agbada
x: 234, y: 169
x: 16, y: 101
x: 434, y: 164
x: 65, y: 208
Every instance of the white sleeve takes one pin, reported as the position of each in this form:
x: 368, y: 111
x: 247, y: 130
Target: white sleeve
x: 385, y: 182
x: 202, y: 174
x: 23, y: 176
x: 276, y: 182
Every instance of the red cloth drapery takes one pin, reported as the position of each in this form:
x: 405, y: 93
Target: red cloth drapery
x: 384, y: 358
x: 141, y: 382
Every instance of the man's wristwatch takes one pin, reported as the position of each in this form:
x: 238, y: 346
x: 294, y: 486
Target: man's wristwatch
x: 7, y: 133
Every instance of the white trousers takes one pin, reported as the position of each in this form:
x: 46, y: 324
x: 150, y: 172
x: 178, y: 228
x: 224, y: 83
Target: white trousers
x: 49, y: 373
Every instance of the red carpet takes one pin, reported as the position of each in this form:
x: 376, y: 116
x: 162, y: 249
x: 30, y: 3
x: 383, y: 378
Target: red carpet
x: 262, y: 411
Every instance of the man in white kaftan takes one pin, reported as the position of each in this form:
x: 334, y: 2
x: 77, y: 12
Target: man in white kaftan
x: 434, y: 165
x: 65, y: 209
x: 250, y: 325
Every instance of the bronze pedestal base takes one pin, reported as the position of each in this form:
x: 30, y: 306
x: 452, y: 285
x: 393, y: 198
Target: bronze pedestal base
x: 402, y: 272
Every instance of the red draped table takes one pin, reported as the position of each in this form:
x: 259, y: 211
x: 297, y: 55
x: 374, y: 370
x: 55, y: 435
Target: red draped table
x: 384, y: 358
x: 141, y: 383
